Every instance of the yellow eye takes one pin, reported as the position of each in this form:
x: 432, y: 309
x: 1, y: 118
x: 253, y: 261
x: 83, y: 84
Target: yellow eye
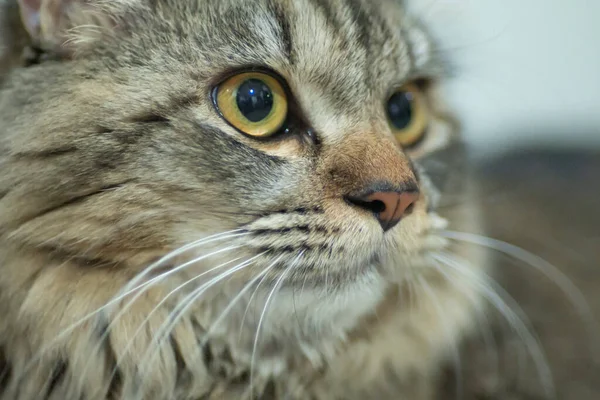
x: 407, y: 115
x: 254, y: 103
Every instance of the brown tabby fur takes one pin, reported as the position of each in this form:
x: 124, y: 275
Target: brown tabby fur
x: 114, y: 156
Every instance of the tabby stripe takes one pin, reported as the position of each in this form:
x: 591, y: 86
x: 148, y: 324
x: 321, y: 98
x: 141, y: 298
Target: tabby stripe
x: 181, y: 375
x: 80, y: 198
x: 298, y: 228
x: 330, y: 14
x: 5, y: 371
x: 270, y: 390
x: 58, y: 375
x: 284, y: 31
x: 112, y: 369
x: 303, y: 247
x: 48, y: 153
x: 301, y: 210
x: 361, y: 19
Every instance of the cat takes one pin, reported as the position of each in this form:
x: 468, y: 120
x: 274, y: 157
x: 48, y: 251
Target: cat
x: 230, y: 199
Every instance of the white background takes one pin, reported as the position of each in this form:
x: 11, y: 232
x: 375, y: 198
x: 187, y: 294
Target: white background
x: 527, y: 71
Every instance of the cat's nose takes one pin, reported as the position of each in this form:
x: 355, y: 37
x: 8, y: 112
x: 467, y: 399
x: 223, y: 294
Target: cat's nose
x: 387, y: 207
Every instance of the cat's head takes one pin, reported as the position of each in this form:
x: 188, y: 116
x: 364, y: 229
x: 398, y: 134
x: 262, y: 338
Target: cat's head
x: 295, y: 128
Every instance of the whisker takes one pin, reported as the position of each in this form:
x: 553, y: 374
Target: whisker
x: 238, y: 297
x: 484, y: 328
x: 262, y: 316
x: 147, y: 285
x: 571, y: 291
x: 157, y: 307
x: 489, y: 286
x: 455, y: 352
x: 326, y: 281
x: 410, y: 291
x: 155, y: 265
x: 295, y: 308
x: 128, y: 290
x: 163, y: 332
x: 516, y: 322
x: 68, y: 330
x: 303, y: 284
x: 248, y: 307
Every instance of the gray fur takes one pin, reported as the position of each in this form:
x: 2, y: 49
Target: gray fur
x: 114, y: 155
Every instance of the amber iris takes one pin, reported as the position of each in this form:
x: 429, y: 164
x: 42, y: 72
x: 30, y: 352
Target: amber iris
x: 407, y: 115
x: 254, y: 103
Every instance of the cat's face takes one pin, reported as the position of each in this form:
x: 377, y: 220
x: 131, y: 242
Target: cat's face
x: 299, y: 125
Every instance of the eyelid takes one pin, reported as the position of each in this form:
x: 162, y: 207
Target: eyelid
x: 261, y: 69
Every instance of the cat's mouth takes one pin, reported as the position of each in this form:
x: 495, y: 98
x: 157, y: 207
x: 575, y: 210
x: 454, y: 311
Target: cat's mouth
x: 309, y: 251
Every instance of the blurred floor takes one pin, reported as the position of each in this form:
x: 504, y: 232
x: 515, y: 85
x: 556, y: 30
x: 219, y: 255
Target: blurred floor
x: 547, y: 202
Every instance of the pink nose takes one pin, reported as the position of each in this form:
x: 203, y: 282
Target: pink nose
x: 387, y: 207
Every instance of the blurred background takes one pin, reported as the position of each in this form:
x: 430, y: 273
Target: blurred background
x: 526, y: 86
x: 527, y: 72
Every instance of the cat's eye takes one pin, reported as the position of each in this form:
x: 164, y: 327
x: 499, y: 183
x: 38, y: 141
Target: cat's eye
x: 407, y: 115
x: 255, y: 103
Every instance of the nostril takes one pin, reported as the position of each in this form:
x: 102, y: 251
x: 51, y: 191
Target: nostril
x: 387, y: 207
x: 374, y: 206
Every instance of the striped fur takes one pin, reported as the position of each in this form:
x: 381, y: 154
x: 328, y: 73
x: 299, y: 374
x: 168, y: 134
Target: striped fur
x: 114, y: 156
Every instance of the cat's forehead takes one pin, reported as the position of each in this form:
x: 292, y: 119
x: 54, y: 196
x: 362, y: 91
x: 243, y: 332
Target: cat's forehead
x: 342, y: 45
x: 344, y: 50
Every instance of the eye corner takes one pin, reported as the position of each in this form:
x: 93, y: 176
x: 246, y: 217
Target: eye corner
x: 213, y: 99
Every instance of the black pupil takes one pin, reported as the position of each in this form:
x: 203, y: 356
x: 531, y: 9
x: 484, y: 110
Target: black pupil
x: 255, y: 100
x: 400, y: 110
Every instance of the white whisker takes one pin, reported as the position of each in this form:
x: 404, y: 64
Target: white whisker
x: 163, y: 301
x: 127, y: 290
x: 238, y: 297
x: 303, y: 285
x: 455, y: 351
x: 181, y: 250
x: 326, y: 281
x: 485, y: 327
x: 167, y: 327
x: 262, y: 316
x: 571, y: 291
x: 516, y: 322
x: 146, y: 286
x: 68, y: 330
x: 248, y: 307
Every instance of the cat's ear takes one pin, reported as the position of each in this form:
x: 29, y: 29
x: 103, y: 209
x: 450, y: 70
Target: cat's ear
x: 60, y: 25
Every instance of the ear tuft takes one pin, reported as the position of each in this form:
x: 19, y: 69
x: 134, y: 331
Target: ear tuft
x: 64, y: 26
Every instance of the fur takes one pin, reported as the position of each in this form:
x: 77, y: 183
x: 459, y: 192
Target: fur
x: 113, y: 157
